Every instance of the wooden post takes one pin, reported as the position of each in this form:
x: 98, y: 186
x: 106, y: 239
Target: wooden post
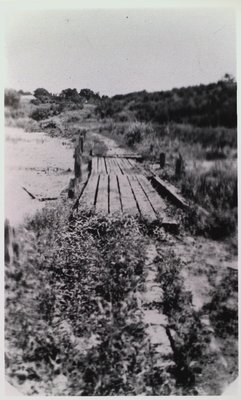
x: 81, y: 143
x: 78, y: 160
x: 7, y: 249
x: 90, y: 161
x: 11, y: 246
x: 179, y: 167
x: 162, y: 160
x: 73, y: 184
x: 71, y: 189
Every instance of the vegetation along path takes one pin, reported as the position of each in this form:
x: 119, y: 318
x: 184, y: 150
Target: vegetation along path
x: 110, y: 293
x: 173, y: 299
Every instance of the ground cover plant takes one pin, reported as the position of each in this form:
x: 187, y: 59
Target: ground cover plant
x: 72, y: 321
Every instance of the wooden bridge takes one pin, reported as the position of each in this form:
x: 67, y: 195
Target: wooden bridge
x: 117, y: 184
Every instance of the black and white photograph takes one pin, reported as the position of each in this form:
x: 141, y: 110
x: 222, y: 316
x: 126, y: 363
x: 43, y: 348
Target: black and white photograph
x: 120, y: 198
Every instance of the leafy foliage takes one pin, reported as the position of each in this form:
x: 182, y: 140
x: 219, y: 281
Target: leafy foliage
x: 188, y: 336
x: 11, y: 98
x: 204, y: 105
x: 73, y: 297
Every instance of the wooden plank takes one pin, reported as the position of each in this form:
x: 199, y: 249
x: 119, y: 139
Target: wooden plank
x: 88, y: 197
x: 102, y: 195
x: 123, y: 166
x: 108, y: 165
x: 170, y: 191
x: 125, y: 155
x: 127, y: 197
x: 101, y: 166
x: 114, y: 168
x: 143, y: 202
x: 131, y: 162
x: 94, y: 165
x: 157, y: 202
x: 136, y: 168
x: 118, y: 167
x: 127, y: 167
x: 114, y: 196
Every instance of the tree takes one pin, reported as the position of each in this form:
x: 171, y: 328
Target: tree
x: 70, y: 94
x: 88, y: 94
x: 228, y: 78
x: 41, y: 92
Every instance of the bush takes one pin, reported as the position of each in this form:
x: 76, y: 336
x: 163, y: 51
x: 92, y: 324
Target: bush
x: 42, y: 95
x: 136, y: 131
x: 45, y: 111
x: 40, y: 113
x: 11, y: 98
x: 223, y: 307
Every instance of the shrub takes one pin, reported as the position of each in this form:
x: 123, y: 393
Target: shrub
x: 45, y: 111
x: 42, y: 95
x: 11, y: 98
x: 136, y: 131
x: 40, y: 113
x: 223, y: 307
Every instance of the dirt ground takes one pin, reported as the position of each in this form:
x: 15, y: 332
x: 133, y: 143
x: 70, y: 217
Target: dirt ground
x: 41, y: 164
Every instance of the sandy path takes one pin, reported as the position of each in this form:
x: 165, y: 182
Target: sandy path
x: 38, y: 162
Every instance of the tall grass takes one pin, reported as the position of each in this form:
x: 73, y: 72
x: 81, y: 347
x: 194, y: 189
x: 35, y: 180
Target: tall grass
x: 216, y: 188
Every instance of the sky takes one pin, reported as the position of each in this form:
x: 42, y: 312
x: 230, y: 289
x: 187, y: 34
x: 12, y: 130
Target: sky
x: 118, y: 51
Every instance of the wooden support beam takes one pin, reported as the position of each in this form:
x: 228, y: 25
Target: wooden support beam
x: 169, y: 191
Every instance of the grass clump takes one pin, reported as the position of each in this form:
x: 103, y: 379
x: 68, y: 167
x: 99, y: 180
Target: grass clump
x: 216, y: 191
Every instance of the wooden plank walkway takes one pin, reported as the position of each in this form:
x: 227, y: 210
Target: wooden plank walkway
x: 119, y: 185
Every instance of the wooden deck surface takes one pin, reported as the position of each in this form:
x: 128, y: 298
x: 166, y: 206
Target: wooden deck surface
x: 118, y: 185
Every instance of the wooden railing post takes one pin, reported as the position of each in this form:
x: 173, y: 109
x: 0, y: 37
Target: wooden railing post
x: 78, y: 158
x: 179, y: 167
x: 162, y: 160
x: 81, y: 142
x: 73, y: 184
x: 11, y: 246
x: 7, y: 249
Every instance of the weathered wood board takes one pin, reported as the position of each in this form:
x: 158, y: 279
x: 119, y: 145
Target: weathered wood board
x: 119, y: 185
